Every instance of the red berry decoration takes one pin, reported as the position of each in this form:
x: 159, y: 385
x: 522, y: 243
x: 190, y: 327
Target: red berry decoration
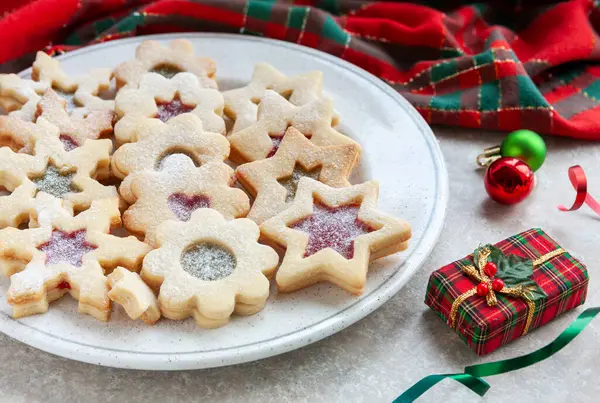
x: 482, y: 289
x: 490, y: 269
x: 508, y: 180
x: 497, y: 284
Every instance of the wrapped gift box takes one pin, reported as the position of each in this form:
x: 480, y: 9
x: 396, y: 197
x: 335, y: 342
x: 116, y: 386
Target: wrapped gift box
x: 529, y: 282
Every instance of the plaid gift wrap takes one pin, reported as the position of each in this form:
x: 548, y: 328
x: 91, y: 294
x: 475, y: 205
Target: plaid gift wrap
x: 484, y: 328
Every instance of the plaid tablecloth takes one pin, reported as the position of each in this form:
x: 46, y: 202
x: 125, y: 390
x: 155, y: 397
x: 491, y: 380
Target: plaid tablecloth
x: 499, y: 65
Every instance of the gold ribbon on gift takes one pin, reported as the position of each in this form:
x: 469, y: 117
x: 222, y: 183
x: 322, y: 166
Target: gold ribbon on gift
x: 479, y: 275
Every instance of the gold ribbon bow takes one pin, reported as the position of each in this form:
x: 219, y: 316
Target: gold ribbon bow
x: 479, y: 275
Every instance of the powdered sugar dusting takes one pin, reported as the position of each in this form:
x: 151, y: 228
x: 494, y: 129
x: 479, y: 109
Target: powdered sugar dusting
x: 183, y: 205
x: 65, y: 247
x: 55, y: 183
x: 291, y: 182
x: 208, y: 262
x: 332, y: 227
x: 168, y: 110
x: 69, y: 142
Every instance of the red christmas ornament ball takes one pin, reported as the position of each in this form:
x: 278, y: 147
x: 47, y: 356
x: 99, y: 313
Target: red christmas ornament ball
x: 497, y: 284
x: 482, y: 289
x: 508, y: 180
x: 490, y: 269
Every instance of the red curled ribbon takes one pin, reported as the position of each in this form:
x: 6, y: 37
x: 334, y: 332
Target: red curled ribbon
x: 579, y: 182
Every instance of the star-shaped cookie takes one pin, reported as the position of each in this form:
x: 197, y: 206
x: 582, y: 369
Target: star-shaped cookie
x: 275, y: 115
x: 331, y: 234
x: 209, y: 267
x: 241, y: 104
x: 163, y: 99
x: 20, y: 96
x: 177, y: 57
x: 178, y: 190
x: 273, y: 181
x: 184, y: 134
x: 68, y: 254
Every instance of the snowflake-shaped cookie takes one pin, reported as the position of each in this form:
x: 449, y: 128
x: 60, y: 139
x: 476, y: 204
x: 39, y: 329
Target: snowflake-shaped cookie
x: 275, y: 115
x: 184, y: 134
x: 273, y: 181
x: 20, y: 96
x: 163, y: 99
x: 68, y: 175
x: 151, y: 56
x: 209, y: 267
x: 68, y: 254
x: 129, y: 290
x: 81, y: 93
x: 331, y: 234
x: 241, y: 104
x: 178, y: 190
x: 74, y: 130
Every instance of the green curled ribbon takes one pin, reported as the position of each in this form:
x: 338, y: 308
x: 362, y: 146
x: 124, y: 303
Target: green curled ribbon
x: 471, y: 377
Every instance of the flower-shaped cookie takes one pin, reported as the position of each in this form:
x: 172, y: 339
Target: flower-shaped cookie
x: 151, y: 56
x: 179, y: 189
x: 331, y: 234
x: 275, y: 115
x: 163, y: 99
x: 209, y: 267
x: 273, y: 181
x: 241, y: 104
x: 68, y: 254
x: 129, y: 290
x: 68, y: 175
x: 20, y: 97
x: 81, y: 93
x: 74, y: 130
x: 184, y: 134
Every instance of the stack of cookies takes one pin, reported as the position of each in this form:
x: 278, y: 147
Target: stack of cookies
x: 151, y: 145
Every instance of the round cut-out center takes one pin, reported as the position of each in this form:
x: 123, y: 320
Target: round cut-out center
x: 332, y: 227
x: 170, y: 109
x: 208, y: 262
x: 166, y: 70
x: 66, y: 247
x: 183, y: 205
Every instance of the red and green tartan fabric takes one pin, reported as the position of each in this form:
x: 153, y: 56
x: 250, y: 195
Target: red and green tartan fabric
x: 485, y: 328
x: 501, y: 65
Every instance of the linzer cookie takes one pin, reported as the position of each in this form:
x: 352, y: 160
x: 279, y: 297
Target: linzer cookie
x: 184, y: 134
x: 129, y: 290
x: 81, y: 93
x: 20, y: 97
x: 177, y: 57
x: 163, y: 99
x: 68, y: 254
x: 69, y: 175
x: 273, y: 181
x: 275, y: 116
x: 209, y: 268
x: 241, y: 104
x: 331, y: 234
x: 178, y: 190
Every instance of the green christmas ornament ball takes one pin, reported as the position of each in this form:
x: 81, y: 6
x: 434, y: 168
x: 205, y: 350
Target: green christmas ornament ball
x: 525, y: 145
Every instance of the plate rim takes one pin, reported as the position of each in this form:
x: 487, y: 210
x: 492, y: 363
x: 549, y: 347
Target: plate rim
x: 280, y: 344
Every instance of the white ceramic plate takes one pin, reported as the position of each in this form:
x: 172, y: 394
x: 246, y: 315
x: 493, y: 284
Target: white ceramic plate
x: 399, y: 150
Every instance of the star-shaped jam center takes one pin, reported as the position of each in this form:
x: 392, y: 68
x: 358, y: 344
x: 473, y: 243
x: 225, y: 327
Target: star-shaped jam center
x: 183, y: 205
x: 332, y: 227
x: 54, y: 182
x: 170, y: 109
x: 290, y: 183
x: 66, y: 247
x: 166, y: 70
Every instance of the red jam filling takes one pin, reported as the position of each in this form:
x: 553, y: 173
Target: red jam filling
x: 68, y: 142
x: 183, y: 205
x: 276, y: 140
x: 332, y: 227
x: 64, y: 285
x: 66, y: 247
x: 168, y: 110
